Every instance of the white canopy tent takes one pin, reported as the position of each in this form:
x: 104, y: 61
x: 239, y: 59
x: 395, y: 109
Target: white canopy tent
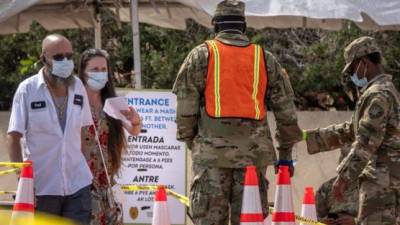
x: 17, y: 15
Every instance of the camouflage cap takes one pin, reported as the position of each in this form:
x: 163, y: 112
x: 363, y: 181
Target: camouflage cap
x: 230, y: 8
x: 358, y: 48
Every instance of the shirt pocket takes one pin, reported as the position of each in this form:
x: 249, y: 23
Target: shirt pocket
x: 76, y: 117
x: 40, y: 120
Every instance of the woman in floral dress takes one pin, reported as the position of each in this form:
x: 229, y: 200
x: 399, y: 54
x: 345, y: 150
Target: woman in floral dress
x: 95, y: 73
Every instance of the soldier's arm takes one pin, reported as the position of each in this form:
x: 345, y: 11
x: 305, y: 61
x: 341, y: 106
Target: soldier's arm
x: 322, y: 199
x: 281, y: 100
x: 369, y: 135
x: 188, y: 88
x: 329, y: 138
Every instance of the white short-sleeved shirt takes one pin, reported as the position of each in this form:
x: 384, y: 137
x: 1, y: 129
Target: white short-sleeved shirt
x: 60, y: 167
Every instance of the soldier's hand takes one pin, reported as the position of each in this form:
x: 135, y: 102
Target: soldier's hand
x: 345, y: 219
x: 329, y: 221
x: 339, y: 186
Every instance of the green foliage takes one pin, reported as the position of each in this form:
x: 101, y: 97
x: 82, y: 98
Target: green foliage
x: 162, y: 52
x: 19, y: 55
x: 312, y: 57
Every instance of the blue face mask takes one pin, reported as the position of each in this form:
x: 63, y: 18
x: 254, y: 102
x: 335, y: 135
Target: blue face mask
x: 97, y: 80
x: 359, y: 82
x: 62, y: 68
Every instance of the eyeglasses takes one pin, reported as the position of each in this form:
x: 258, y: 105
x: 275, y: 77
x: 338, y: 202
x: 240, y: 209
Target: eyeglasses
x: 60, y: 56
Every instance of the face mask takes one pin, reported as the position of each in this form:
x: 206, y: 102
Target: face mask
x: 97, y: 80
x: 359, y: 82
x: 62, y: 68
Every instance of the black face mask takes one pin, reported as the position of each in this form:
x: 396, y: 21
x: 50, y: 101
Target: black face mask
x: 222, y: 23
x: 240, y: 27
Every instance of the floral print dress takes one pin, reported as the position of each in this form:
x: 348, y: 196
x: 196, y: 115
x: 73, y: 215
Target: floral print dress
x: 105, y: 211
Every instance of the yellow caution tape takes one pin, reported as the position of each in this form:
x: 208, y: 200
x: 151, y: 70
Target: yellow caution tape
x: 308, y: 221
x: 138, y: 187
x: 301, y: 219
x: 14, y: 164
x: 4, y: 172
x: 8, y: 192
x: 183, y: 199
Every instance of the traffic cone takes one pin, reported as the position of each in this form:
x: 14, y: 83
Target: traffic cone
x: 24, y: 201
x: 283, y: 211
x: 251, y: 205
x: 160, y: 210
x: 308, y: 209
x: 268, y: 220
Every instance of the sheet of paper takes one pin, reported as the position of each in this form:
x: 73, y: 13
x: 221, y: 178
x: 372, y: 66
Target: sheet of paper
x: 113, y: 107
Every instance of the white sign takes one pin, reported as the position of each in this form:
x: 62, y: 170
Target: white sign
x: 154, y: 157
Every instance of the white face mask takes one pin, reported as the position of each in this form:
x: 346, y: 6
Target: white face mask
x: 359, y: 82
x: 97, y: 80
x: 62, y: 68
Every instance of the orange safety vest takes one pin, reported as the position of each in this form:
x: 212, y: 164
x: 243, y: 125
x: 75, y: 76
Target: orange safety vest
x: 236, y: 81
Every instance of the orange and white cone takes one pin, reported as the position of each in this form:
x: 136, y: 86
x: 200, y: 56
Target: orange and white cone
x: 251, y: 205
x: 283, y: 212
x: 268, y: 220
x: 160, y: 210
x: 24, y: 200
x: 308, y: 209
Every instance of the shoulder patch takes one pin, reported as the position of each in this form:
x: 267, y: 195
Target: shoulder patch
x: 375, y: 111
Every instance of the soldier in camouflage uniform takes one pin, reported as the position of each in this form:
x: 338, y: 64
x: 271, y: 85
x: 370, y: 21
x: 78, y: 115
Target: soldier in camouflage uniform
x: 374, y: 132
x: 327, y: 206
x: 221, y: 148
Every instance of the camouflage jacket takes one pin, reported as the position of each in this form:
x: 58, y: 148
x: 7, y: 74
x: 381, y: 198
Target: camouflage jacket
x: 374, y: 133
x: 233, y: 142
x: 326, y: 203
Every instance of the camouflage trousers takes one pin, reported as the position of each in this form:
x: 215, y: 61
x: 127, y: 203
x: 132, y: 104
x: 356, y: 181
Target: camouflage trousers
x: 379, y: 204
x: 216, y: 194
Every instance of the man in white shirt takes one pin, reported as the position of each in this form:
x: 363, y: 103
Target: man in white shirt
x: 49, y: 110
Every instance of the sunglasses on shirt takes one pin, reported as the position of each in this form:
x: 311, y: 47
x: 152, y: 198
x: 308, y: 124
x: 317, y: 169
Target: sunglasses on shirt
x: 60, y: 57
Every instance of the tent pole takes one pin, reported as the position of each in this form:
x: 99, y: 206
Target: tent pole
x: 97, y: 32
x: 136, y: 44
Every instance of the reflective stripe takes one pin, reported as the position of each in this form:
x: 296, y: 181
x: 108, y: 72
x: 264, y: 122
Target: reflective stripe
x: 24, y: 207
x: 251, y: 217
x: 216, y: 79
x: 283, y: 198
x: 255, y: 79
x: 251, y: 203
x: 283, y: 217
x: 256, y: 75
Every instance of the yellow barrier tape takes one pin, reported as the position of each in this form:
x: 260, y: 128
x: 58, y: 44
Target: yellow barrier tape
x: 183, y: 199
x: 301, y: 219
x: 14, y: 165
x: 138, y: 187
x: 7, y: 192
x: 4, y: 172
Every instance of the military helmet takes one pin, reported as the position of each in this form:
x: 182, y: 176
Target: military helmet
x: 230, y: 8
x: 358, y: 48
